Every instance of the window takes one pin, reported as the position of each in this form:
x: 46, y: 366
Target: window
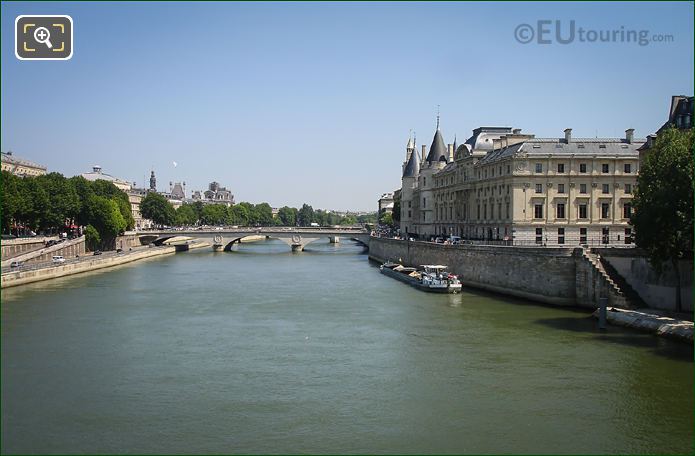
x: 560, y: 235
x: 409, y: 214
x: 509, y: 169
x: 582, y: 235
x: 478, y: 211
x: 561, y: 210
x: 499, y: 211
x: 604, y: 168
x: 582, y: 167
x: 561, y: 168
x: 424, y: 202
x: 627, y: 210
x: 539, y: 235
x: 507, y: 189
x: 484, y: 211
x: 627, y: 168
x: 628, y: 189
x: 539, y: 167
x: 539, y: 188
x: 605, y: 235
x: 507, y: 210
x: 538, y: 211
x: 409, y: 203
x: 424, y: 182
x: 605, y: 210
x: 561, y: 188
x: 628, y: 235
x: 582, y: 188
x: 605, y: 189
x: 582, y: 211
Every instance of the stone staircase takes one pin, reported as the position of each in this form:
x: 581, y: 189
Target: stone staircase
x: 617, y: 286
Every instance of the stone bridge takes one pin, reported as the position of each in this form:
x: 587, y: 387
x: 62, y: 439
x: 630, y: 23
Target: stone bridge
x: 224, y: 239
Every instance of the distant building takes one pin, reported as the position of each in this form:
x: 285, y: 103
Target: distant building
x: 98, y: 174
x: 215, y: 194
x: 679, y: 116
x: 502, y: 185
x: 385, y: 203
x: 21, y: 167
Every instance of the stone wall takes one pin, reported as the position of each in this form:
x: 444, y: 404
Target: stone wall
x: 541, y: 274
x: 67, y: 249
x: 14, y: 247
x: 657, y: 290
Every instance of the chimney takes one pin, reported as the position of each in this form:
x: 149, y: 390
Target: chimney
x: 424, y: 153
x: 516, y: 131
x: 568, y: 135
x: 96, y: 169
x: 650, y: 141
x: 450, y: 149
x: 629, y: 135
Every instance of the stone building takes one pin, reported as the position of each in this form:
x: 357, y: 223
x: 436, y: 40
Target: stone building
x: 21, y: 167
x: 503, y: 186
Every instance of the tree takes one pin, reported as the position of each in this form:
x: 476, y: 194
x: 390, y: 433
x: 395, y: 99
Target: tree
x: 238, y: 214
x: 263, y: 214
x: 156, y: 208
x: 106, y: 218
x: 663, y: 217
x: 287, y: 215
x: 305, y: 215
x: 396, y: 214
x: 186, y: 215
x: 91, y: 238
x: 249, y: 212
x: 214, y: 214
x: 386, y: 219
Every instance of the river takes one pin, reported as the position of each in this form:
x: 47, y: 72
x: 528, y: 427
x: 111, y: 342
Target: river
x: 266, y: 351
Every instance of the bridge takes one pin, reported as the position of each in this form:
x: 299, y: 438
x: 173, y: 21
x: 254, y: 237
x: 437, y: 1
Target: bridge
x: 225, y: 238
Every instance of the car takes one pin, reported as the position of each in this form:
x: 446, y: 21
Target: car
x: 97, y: 252
x: 16, y: 264
x: 58, y: 259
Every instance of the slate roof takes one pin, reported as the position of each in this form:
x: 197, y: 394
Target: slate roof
x: 437, y: 149
x: 578, y: 147
x: 413, y: 165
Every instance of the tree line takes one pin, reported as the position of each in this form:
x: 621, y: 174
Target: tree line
x: 50, y: 202
x: 158, y: 209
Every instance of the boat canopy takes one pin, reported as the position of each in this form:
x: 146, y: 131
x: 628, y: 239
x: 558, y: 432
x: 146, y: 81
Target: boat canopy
x: 436, y: 267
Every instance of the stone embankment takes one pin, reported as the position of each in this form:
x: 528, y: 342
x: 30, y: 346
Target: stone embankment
x: 87, y: 264
x: 651, y: 321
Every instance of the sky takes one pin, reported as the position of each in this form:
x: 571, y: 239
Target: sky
x: 288, y: 103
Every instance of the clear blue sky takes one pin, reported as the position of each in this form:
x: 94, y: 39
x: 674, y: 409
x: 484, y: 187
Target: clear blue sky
x: 312, y: 102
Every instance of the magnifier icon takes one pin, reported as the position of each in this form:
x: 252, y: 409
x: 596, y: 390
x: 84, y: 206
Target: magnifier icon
x: 42, y: 35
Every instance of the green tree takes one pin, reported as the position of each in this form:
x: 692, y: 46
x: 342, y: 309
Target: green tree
x: 92, y: 238
x: 250, y: 213
x: 238, y: 215
x: 106, y: 218
x: 386, y: 219
x: 263, y: 214
x: 348, y: 220
x: 63, y: 201
x: 214, y: 214
x: 287, y: 216
x: 156, y: 208
x: 185, y: 215
x: 198, y: 209
x: 663, y: 217
x: 305, y: 215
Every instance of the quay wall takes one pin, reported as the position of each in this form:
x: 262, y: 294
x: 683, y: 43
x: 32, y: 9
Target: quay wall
x: 657, y: 290
x: 12, y: 279
x: 13, y: 247
x: 547, y: 274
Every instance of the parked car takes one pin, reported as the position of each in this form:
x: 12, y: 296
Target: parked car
x: 58, y: 259
x: 97, y: 252
x: 16, y: 264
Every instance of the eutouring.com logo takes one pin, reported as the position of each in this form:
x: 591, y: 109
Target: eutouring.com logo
x: 548, y: 31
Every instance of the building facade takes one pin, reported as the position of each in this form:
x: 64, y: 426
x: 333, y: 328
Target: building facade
x: 21, y: 167
x: 503, y: 186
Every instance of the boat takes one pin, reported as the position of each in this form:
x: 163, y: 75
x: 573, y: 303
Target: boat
x: 433, y: 278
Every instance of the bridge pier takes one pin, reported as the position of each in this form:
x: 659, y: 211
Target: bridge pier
x: 334, y: 239
x: 297, y: 247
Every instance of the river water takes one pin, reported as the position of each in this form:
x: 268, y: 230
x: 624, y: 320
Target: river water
x: 265, y: 351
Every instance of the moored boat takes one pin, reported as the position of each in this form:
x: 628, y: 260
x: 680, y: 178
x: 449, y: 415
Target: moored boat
x: 433, y: 278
